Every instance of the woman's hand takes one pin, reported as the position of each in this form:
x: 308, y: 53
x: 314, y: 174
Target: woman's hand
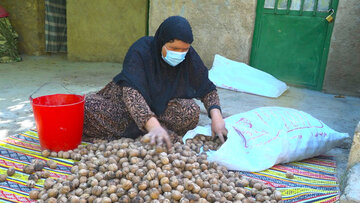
x: 156, y: 133
x: 218, y: 125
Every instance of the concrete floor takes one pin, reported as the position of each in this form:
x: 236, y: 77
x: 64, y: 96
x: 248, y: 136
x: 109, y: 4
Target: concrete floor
x: 19, y: 80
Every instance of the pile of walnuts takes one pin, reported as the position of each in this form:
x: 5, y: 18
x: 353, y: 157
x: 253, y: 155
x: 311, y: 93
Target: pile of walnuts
x: 127, y: 170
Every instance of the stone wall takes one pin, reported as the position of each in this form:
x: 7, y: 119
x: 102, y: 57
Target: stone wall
x: 222, y: 27
x: 28, y: 20
x: 226, y: 27
x: 104, y: 30
x: 342, y: 74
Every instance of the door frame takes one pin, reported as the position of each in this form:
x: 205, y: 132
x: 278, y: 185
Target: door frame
x: 255, y: 42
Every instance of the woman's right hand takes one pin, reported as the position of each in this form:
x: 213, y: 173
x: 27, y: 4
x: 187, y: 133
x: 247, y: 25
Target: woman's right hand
x: 156, y: 133
x: 158, y: 136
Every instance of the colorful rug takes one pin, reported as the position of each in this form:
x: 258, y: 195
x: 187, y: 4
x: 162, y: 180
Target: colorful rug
x: 315, y: 179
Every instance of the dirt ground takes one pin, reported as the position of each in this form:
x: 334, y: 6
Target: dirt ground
x: 19, y: 80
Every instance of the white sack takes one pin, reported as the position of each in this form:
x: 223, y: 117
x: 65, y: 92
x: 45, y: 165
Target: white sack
x: 238, y: 76
x: 266, y: 136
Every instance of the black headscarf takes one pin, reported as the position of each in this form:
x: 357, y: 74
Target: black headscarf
x: 158, y: 82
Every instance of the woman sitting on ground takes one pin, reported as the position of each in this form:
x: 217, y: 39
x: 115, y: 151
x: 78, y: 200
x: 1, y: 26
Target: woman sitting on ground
x: 154, y: 93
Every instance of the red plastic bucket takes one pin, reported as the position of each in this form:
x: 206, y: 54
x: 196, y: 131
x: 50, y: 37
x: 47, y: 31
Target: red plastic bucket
x: 59, y: 120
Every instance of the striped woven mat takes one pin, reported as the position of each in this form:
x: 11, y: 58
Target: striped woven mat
x: 314, y: 181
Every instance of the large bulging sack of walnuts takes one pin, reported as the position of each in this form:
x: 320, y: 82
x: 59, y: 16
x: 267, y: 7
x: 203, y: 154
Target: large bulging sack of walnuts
x: 266, y: 136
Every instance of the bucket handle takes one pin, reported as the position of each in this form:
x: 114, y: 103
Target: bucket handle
x: 31, y: 98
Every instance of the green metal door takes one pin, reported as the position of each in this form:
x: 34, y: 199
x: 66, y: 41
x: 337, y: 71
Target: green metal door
x: 291, y: 40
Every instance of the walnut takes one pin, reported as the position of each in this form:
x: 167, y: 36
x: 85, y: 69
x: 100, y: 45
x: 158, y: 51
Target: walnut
x: 277, y: 195
x: 176, y: 195
x: 97, y: 190
x: 33, y: 177
x: 150, y: 165
x: 74, y: 169
x: 196, y: 189
x: 263, y: 193
x: 75, y: 183
x: 66, y: 155
x: 125, y: 199
x: 267, y: 191
x: 51, y: 200
x: 112, y: 167
x: 189, y: 185
x: 166, y: 187
x: 145, y: 139
x: 160, y: 149
x: 143, y: 185
x: 53, y: 154
x: 10, y: 171
x: 52, y: 193
x: 203, y: 193
x: 34, y: 194
x: 64, y: 190
x: 77, y: 157
x: 211, y: 197
x: 102, y: 183
x: 74, y: 199
x: 154, y: 183
x: 31, y: 183
x: 184, y: 200
x: 84, y: 172
x: 111, y: 189
x: 164, y: 180
x: 134, y: 160
x: 45, y: 153
x: 60, y: 154
x: 99, y: 176
x: 180, y: 188
x: 164, y: 160
x: 118, y: 174
x: 132, y: 193
x: 91, y: 198
x: 167, y: 167
x: 83, y: 179
x: 257, y: 186
x: 289, y: 175
x: 29, y: 169
x: 106, y: 200
x: 120, y: 192
x: 134, y: 153
x: 188, y: 174
x: 202, y: 200
x: 174, y: 182
x: 127, y: 185
x: 199, y: 182
x: 151, y: 175
x: 154, y: 193
x: 228, y: 196
x: 51, y: 164
x: 114, y: 197
x: 121, y: 153
x: 129, y: 176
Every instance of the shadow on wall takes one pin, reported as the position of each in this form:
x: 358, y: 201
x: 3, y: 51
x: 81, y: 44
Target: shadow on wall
x: 15, y: 118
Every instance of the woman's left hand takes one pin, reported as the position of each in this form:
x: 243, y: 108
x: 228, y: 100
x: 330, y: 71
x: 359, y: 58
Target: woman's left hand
x: 218, y: 125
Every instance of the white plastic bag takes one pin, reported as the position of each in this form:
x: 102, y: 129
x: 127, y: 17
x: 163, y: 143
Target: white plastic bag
x: 266, y: 136
x: 238, y: 76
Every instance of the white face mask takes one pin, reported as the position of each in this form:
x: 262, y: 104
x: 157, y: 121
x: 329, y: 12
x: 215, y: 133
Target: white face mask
x: 173, y: 58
